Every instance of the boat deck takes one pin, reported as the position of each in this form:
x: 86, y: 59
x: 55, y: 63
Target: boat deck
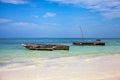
x: 49, y: 47
x: 95, y: 43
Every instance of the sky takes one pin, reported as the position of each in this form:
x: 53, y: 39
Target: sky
x: 59, y: 18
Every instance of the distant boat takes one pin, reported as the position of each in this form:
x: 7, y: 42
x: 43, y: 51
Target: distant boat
x: 49, y: 47
x: 93, y: 43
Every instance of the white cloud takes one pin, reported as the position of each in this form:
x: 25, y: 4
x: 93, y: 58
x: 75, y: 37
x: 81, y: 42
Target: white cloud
x: 108, y: 8
x: 36, y: 16
x: 14, y: 1
x: 49, y: 14
x: 50, y: 24
x: 4, y: 20
x: 23, y: 24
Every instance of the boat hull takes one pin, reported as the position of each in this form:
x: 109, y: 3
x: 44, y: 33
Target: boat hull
x: 90, y: 43
x: 49, y: 47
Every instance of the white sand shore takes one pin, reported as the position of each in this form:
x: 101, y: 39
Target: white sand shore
x: 71, y: 68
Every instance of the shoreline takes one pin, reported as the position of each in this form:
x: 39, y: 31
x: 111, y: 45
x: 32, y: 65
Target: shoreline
x: 43, y: 61
x: 68, y: 68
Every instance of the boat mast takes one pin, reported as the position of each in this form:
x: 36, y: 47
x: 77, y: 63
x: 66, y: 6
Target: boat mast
x: 82, y: 33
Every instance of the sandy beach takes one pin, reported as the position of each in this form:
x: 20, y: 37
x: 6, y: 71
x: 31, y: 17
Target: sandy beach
x: 68, y: 68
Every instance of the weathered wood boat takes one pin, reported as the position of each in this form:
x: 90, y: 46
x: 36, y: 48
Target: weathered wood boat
x: 95, y: 43
x: 49, y: 47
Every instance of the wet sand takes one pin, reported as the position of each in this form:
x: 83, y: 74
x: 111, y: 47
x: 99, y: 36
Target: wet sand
x: 68, y: 68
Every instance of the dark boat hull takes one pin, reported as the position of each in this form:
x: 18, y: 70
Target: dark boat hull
x: 49, y: 47
x: 90, y: 43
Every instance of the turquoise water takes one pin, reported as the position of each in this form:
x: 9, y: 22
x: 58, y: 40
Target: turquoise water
x: 11, y: 50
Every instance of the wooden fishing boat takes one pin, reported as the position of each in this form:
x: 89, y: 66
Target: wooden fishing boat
x: 95, y: 43
x: 98, y: 42
x: 49, y: 47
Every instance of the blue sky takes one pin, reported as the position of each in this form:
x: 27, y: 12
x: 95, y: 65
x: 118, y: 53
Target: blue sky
x: 59, y: 18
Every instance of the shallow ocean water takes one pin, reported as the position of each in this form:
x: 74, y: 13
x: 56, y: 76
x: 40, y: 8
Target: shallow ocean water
x: 11, y: 51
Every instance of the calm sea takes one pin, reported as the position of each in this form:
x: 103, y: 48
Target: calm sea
x: 11, y: 51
